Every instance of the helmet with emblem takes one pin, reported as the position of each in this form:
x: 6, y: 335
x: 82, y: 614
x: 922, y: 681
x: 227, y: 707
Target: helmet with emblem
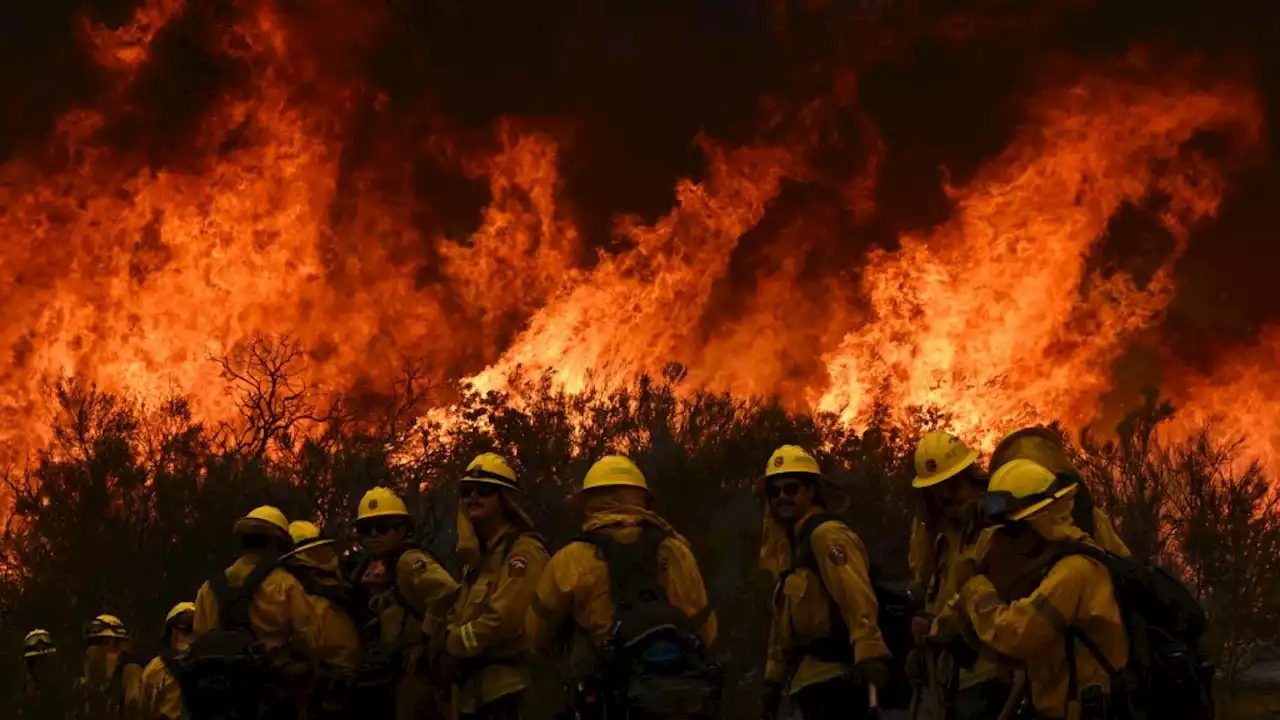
x: 793, y: 461
x: 381, y: 502
x: 939, y: 457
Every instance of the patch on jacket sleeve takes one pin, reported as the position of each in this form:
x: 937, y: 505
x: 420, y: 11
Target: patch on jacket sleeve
x: 837, y: 555
x: 517, y: 566
x: 418, y: 563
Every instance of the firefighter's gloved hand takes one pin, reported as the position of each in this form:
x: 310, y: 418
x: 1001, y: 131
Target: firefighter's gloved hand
x: 872, y: 672
x: 770, y: 701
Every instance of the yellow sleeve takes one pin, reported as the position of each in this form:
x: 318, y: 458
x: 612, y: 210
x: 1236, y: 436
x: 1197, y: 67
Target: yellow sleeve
x: 426, y: 585
x: 920, y: 555
x: 776, y: 659
x: 206, y: 615
x: 1105, y: 535
x: 684, y: 584
x: 1023, y: 628
x: 842, y: 562
x: 304, y: 624
x: 131, y: 679
x: 503, y: 619
x: 148, y: 693
x: 552, y: 600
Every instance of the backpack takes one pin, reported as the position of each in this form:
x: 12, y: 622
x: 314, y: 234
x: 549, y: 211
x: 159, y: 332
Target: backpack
x: 224, y: 674
x: 896, y: 605
x: 1167, y: 675
x: 654, y: 661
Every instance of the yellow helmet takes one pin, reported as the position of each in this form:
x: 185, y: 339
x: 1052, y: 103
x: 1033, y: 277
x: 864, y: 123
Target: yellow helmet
x: 106, y: 627
x: 38, y: 642
x: 1021, y: 488
x: 940, y: 456
x: 789, y: 460
x: 263, y: 520
x: 614, y: 471
x: 1043, y: 445
x: 381, y: 502
x: 306, y: 535
x: 493, y: 469
x: 179, y: 609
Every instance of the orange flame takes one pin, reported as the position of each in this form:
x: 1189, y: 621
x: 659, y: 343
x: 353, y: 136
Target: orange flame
x: 134, y: 276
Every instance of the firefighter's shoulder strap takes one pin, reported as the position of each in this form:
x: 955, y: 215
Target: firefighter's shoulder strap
x: 235, y: 603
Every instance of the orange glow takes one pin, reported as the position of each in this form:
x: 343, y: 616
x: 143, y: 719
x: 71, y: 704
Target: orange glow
x: 135, y: 275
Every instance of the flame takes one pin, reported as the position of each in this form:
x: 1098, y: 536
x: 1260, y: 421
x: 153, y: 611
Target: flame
x: 135, y: 273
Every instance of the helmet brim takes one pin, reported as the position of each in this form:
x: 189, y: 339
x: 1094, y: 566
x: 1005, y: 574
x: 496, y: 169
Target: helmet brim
x: 920, y: 482
x: 257, y: 526
x: 308, y: 545
x: 491, y: 481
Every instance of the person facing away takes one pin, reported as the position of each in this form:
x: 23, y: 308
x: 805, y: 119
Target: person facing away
x: 112, y: 677
x: 825, y: 648
x: 944, y: 533
x: 409, y: 595
x: 1061, y: 597
x: 574, y: 602
x: 268, y: 603
x: 502, y: 559
x: 314, y: 563
x: 43, y: 690
x: 161, y: 697
x: 1046, y: 447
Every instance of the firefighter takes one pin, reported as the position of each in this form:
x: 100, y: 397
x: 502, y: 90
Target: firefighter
x: 410, y: 595
x: 161, y: 698
x: 574, y: 602
x: 314, y: 563
x: 1045, y: 446
x: 502, y: 559
x: 43, y: 694
x: 280, y: 616
x: 944, y: 533
x: 112, y: 677
x: 825, y: 647
x: 1031, y: 507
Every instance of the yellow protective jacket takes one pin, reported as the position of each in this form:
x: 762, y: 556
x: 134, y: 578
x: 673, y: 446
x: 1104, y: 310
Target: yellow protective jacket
x: 283, y: 619
x: 486, y: 630
x: 1105, y: 535
x: 337, y: 638
x: 575, y: 582
x: 803, y: 604
x: 418, y: 602
x: 109, y: 689
x: 160, y: 697
x: 1076, y: 592
x: 935, y: 561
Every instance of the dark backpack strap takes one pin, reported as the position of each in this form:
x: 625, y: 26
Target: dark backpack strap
x: 235, y: 604
x: 835, y: 647
x: 802, y: 553
x: 1082, y: 509
x: 632, y: 567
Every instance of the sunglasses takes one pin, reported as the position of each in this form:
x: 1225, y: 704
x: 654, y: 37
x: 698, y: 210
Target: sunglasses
x: 787, y: 488
x: 475, y: 489
x: 375, y: 527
